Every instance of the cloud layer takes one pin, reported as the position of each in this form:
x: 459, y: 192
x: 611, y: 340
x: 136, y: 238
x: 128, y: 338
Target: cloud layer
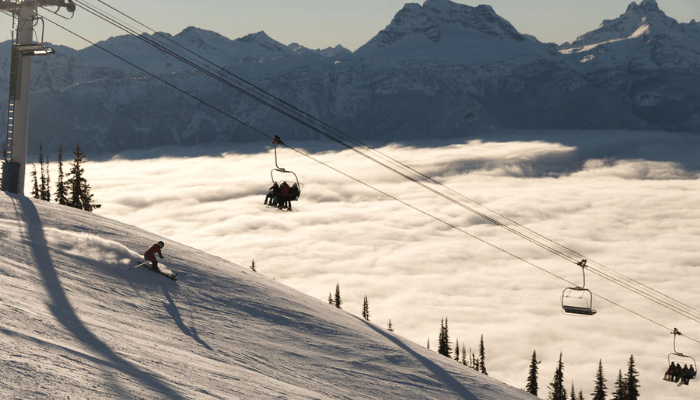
x: 637, y: 217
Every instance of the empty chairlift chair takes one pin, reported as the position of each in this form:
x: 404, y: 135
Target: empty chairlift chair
x: 578, y: 300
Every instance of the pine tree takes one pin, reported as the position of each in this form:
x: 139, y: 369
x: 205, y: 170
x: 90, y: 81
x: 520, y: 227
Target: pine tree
x: 365, y: 309
x: 632, y: 381
x: 330, y: 298
x: 457, y: 350
x: 81, y: 198
x: 61, y: 195
x: 338, y: 301
x: 599, y: 390
x: 620, y: 387
x: 44, y: 191
x: 531, y: 386
x: 252, y: 266
x: 428, y: 345
x: 482, y: 356
x: 573, y: 391
x: 444, y: 339
x: 580, y: 395
x: 35, y: 187
x: 557, y: 391
x: 464, y: 355
x: 390, y: 327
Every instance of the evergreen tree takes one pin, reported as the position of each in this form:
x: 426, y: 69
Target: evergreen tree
x: 338, y: 301
x: 35, y: 187
x: 81, y: 198
x: 390, y: 327
x: 632, y: 381
x: 482, y: 356
x: 531, y: 386
x: 599, y: 390
x: 573, y: 391
x: 580, y: 395
x: 620, y: 387
x: 61, y: 195
x: 330, y: 298
x: 44, y: 191
x: 365, y: 309
x: 457, y: 350
x: 464, y: 355
x: 444, y: 339
x: 557, y: 391
x: 428, y: 346
x: 252, y: 266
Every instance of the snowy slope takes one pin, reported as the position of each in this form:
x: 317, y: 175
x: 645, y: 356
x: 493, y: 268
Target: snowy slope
x: 77, y: 323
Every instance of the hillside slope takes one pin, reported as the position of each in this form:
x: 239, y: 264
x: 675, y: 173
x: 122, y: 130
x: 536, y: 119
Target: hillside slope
x: 76, y: 322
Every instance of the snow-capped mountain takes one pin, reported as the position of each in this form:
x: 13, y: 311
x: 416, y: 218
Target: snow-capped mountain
x: 647, y: 57
x: 78, y: 323
x: 440, y: 69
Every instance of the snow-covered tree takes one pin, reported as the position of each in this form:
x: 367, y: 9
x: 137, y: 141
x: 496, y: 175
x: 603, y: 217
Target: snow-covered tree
x: 390, y: 326
x: 531, y: 386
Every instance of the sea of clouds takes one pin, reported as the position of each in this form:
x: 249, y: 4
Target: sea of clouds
x: 637, y: 216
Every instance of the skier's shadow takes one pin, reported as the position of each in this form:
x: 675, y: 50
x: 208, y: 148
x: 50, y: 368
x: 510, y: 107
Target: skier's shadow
x: 174, y: 312
x: 63, y: 311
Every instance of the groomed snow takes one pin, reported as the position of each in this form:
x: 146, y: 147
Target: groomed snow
x: 77, y: 323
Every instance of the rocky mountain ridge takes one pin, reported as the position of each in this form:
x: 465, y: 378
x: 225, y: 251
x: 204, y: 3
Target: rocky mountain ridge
x: 438, y: 70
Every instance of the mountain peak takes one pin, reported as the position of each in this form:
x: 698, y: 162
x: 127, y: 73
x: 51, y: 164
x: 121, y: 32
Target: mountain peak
x: 645, y: 18
x: 263, y: 40
x: 435, y: 17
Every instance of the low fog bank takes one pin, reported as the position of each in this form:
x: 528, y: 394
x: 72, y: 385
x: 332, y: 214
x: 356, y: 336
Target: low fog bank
x: 638, y: 216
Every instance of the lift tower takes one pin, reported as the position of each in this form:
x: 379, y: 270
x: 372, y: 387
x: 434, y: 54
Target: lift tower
x: 24, y: 19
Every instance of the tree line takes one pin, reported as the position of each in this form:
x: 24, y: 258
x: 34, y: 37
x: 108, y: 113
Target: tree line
x: 71, y: 189
x: 626, y: 386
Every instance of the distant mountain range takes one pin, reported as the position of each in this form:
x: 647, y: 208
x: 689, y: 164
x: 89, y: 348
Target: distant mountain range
x: 438, y: 70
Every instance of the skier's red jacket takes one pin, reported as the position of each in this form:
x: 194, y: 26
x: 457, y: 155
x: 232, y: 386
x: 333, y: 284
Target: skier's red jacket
x: 150, y: 253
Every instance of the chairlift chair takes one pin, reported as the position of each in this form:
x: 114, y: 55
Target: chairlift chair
x: 680, y: 358
x: 578, y: 300
x: 281, y: 175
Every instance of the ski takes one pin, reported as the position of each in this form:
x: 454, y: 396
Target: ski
x: 171, y: 275
x: 136, y: 266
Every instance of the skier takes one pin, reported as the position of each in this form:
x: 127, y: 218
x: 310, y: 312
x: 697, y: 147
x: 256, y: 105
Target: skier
x: 150, y: 254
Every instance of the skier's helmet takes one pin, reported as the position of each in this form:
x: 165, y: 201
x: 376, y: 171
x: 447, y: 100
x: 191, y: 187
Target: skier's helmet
x: 161, y: 244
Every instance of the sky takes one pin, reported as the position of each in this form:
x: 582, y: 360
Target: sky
x: 327, y: 23
x: 635, y: 216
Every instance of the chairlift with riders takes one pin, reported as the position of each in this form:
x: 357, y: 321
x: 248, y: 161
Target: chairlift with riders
x: 676, y: 373
x: 578, y: 300
x: 285, y: 184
